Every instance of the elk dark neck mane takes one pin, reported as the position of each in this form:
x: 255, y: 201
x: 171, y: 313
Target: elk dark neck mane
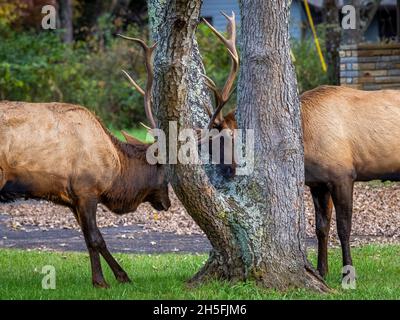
x: 133, y: 183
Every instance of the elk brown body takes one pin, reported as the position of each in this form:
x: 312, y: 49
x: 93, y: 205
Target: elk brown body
x: 349, y: 135
x: 63, y: 153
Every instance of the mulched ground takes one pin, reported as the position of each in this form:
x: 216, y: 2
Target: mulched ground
x: 376, y: 216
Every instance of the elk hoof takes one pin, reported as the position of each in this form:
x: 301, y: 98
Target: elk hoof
x: 100, y: 284
x: 123, y: 278
x: 323, y: 273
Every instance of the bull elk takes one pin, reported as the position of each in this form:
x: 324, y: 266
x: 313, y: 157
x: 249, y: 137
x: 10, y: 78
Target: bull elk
x: 349, y: 135
x: 63, y: 153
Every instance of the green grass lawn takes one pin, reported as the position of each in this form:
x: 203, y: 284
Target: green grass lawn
x: 139, y: 133
x: 164, y: 276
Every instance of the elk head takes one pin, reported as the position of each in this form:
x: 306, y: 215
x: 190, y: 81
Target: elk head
x: 224, y: 124
x: 158, y: 196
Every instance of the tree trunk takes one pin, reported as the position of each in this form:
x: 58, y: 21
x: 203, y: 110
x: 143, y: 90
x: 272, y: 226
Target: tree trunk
x: 65, y: 14
x: 255, y: 223
x: 91, y: 10
x: 332, y: 41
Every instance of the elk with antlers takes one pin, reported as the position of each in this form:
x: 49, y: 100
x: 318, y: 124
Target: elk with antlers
x: 348, y: 136
x: 62, y: 153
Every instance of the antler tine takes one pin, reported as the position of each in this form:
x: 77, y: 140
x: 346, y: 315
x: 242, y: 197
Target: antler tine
x: 148, y: 51
x: 231, y: 28
x: 218, y: 99
x: 230, y: 43
x: 134, y: 83
x: 208, y: 110
x: 213, y: 87
x: 140, y: 41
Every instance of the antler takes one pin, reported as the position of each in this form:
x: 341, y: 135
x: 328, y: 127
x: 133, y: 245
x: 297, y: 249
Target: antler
x: 230, y: 43
x: 148, y: 51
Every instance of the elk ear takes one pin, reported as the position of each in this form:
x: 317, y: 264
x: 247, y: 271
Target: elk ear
x: 130, y: 139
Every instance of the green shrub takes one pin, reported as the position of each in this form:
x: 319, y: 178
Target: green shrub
x: 114, y: 98
x: 9, y: 12
x: 37, y: 66
x: 307, y: 63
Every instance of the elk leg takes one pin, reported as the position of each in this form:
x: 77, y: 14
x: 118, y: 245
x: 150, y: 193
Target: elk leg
x: 119, y: 273
x: 76, y: 215
x: 2, y: 179
x: 86, y: 214
x: 342, y: 194
x: 323, y: 213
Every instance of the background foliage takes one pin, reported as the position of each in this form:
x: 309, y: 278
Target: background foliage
x: 35, y: 64
x: 307, y: 63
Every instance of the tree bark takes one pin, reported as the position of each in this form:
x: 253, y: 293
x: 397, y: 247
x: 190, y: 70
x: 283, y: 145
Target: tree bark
x: 332, y: 45
x: 255, y: 223
x: 65, y: 14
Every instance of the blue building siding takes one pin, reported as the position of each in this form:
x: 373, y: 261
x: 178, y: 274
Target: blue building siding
x: 297, y: 19
x: 212, y: 8
x: 299, y: 26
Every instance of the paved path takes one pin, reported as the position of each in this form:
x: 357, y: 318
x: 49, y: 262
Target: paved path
x: 130, y: 239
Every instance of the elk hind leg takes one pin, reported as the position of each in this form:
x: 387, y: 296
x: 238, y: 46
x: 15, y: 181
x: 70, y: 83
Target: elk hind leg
x: 342, y: 195
x: 3, y: 179
x: 323, y: 214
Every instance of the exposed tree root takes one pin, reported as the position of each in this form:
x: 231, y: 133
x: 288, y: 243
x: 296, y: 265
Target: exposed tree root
x: 210, y: 271
x: 215, y: 269
x: 316, y: 281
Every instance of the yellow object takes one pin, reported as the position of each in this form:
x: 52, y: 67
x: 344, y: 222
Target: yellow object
x: 321, y: 56
x: 292, y: 56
